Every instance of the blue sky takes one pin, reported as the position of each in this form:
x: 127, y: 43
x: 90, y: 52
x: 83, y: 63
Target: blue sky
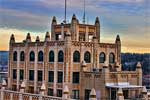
x: 128, y: 18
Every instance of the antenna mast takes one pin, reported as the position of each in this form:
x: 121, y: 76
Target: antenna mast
x: 65, y: 11
x: 84, y: 13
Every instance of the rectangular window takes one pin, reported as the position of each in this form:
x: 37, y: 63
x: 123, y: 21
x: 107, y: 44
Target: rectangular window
x: 21, y: 74
x: 31, y: 89
x: 59, y: 93
x: 57, y: 37
x: 90, y: 38
x: 87, y: 94
x: 50, y: 92
x: 81, y: 37
x: 51, y: 76
x: 76, y: 77
x: 60, y: 77
x: 75, y: 94
x: 14, y: 74
x: 40, y: 75
x: 31, y: 75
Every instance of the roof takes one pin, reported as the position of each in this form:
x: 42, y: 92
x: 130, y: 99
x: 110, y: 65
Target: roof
x: 123, y: 85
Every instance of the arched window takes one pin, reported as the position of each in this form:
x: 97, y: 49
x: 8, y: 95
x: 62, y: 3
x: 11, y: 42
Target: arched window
x: 111, y: 58
x: 15, y: 56
x: 51, y: 56
x: 40, y: 56
x: 60, y: 56
x: 22, y: 56
x: 76, y: 56
x: 32, y: 56
x: 102, y: 57
x: 87, y: 57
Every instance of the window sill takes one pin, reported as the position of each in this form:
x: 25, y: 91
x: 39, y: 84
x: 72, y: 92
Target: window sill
x: 51, y: 62
x: 75, y: 83
x: 40, y: 62
x: 60, y: 62
x: 76, y: 62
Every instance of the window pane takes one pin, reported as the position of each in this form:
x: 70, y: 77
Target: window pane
x: 75, y: 94
x: 40, y: 56
x: 60, y: 77
x: 31, y: 75
x: 14, y: 74
x: 51, y: 56
x: 51, y: 76
x: 22, y: 56
x: 87, y: 57
x: 50, y: 92
x: 59, y: 93
x: 40, y: 75
x: 111, y: 58
x: 15, y: 56
x: 76, y: 56
x: 102, y: 58
x: 60, y: 56
x: 21, y: 74
x: 32, y: 56
x: 87, y: 94
x: 76, y: 77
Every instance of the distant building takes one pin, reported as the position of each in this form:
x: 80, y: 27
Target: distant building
x: 73, y: 55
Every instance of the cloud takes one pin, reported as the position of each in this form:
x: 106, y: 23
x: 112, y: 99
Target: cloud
x: 23, y: 20
x: 129, y: 1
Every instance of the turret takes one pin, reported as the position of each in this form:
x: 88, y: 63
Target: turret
x: 47, y: 36
x: 73, y: 17
x: 28, y: 38
x: 37, y: 39
x: 118, y: 46
x: 54, y: 22
x: 12, y: 39
x: 118, y: 40
x: 74, y: 23
x: 139, y: 71
x: 97, y: 24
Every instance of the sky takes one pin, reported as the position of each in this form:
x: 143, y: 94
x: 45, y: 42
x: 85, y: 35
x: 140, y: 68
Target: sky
x: 128, y: 18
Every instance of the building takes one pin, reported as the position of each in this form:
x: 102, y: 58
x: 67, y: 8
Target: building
x: 73, y: 55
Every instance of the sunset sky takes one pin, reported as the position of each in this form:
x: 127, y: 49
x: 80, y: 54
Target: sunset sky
x: 128, y: 18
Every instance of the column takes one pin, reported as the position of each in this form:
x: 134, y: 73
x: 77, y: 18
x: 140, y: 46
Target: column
x: 35, y: 69
x: 18, y: 69
x: 55, y: 68
x: 86, y: 34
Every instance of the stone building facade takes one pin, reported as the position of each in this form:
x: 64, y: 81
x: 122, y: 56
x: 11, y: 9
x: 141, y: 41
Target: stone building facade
x: 71, y: 55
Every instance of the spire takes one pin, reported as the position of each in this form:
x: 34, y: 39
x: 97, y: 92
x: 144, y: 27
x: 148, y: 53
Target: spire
x: 37, y: 39
x: 54, y: 20
x: 47, y: 36
x: 117, y: 38
x: 97, y: 20
x: 28, y: 38
x: 138, y: 65
x: 12, y: 38
x: 74, y: 17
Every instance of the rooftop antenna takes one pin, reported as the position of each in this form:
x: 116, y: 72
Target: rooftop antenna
x: 65, y: 11
x: 84, y: 13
